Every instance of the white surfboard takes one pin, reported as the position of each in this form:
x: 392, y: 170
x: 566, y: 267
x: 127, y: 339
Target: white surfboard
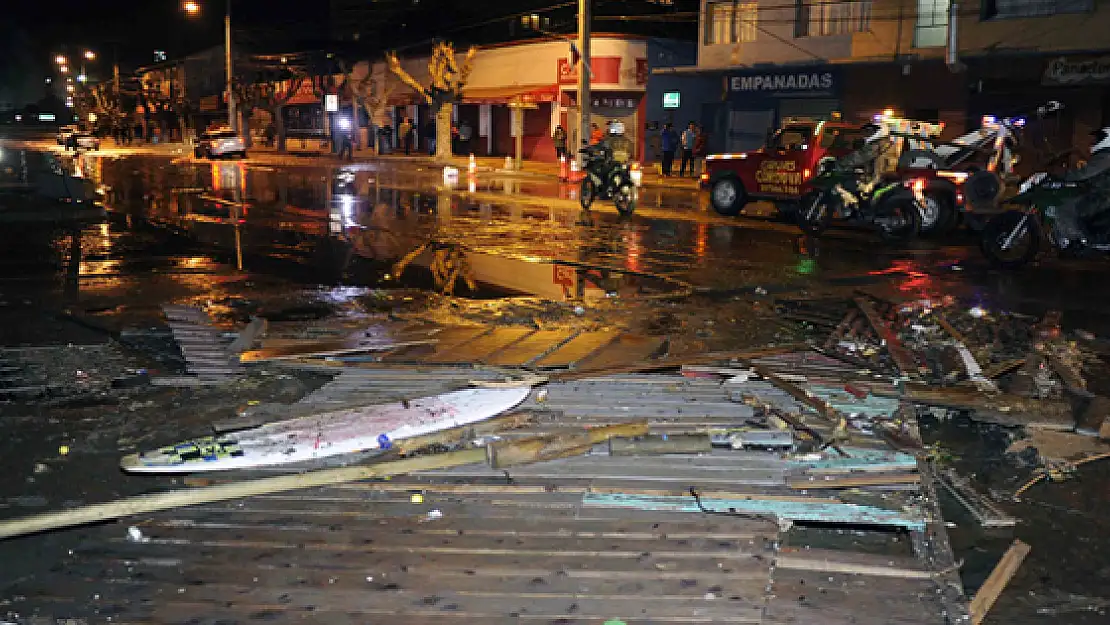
x: 327, y: 434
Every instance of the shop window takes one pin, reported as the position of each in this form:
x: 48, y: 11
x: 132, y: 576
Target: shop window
x: 1005, y: 9
x: 823, y: 18
x: 732, y: 23
x: 931, y: 28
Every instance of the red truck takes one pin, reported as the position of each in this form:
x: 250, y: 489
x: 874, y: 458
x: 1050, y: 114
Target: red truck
x: 777, y: 171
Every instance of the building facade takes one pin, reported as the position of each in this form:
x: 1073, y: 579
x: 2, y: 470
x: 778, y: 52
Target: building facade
x: 933, y: 60
x: 538, y: 81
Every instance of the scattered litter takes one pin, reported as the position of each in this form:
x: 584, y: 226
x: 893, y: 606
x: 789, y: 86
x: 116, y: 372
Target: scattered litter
x: 416, y: 498
x: 41, y: 468
x: 135, y: 535
x: 64, y: 450
x: 434, y: 515
x: 977, y: 312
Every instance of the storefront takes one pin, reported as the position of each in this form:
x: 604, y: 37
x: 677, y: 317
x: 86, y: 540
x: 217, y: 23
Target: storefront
x: 538, y: 81
x: 758, y: 101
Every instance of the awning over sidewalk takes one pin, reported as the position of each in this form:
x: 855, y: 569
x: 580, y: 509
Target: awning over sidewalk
x: 505, y: 95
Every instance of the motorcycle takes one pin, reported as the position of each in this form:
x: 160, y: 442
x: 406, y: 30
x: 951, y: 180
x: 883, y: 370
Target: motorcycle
x: 890, y: 204
x: 606, y: 179
x: 1012, y: 238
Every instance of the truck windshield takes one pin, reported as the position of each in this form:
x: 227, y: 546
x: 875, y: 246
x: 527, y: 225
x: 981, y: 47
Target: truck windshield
x: 790, y: 137
x: 841, y: 138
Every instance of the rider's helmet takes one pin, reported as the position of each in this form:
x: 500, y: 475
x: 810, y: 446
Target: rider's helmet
x: 872, y: 132
x: 1101, y: 140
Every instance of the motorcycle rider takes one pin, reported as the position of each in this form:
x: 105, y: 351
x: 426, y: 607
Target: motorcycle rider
x: 1071, y: 217
x: 866, y: 156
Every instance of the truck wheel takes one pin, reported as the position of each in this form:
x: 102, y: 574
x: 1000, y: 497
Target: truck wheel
x: 728, y: 197
x: 1011, y: 239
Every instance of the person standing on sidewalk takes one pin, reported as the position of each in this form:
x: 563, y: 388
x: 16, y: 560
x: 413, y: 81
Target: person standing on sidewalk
x: 560, y: 138
x: 346, y: 142
x: 404, y: 134
x: 689, y: 138
x: 669, y: 140
x: 701, y: 150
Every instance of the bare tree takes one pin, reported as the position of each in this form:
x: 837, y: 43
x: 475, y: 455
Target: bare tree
x: 448, y: 78
x: 372, y: 93
x: 266, y: 92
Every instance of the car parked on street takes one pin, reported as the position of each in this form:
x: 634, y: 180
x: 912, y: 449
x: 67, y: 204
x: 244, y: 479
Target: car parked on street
x: 219, y: 143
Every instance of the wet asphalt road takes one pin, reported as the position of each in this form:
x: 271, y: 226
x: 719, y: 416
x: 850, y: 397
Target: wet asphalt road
x: 179, y: 228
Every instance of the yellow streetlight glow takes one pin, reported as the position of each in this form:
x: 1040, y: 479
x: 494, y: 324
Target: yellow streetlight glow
x: 64, y: 69
x: 60, y: 59
x: 190, y: 7
x: 90, y: 55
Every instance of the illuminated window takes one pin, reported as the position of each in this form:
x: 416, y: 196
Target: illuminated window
x: 822, y: 18
x: 931, y: 28
x: 732, y: 23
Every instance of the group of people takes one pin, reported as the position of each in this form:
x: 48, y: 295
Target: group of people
x: 693, y: 145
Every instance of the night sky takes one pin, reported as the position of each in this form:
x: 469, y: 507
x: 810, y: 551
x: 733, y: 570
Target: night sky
x: 33, y: 32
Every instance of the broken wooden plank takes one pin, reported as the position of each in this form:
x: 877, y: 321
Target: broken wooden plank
x: 141, y: 504
x: 256, y: 328
x: 659, y: 444
x: 444, y: 342
x: 316, y: 349
x: 984, y: 510
x: 468, y: 433
x: 481, y: 347
x: 999, y: 408
x: 942, y: 321
x: 818, y: 483
x: 998, y: 370
x: 551, y: 446
x: 531, y: 348
x: 1072, y: 379
x: 1003, y: 572
x: 575, y: 350
x: 838, y: 334
x: 627, y: 349
x: 902, y: 358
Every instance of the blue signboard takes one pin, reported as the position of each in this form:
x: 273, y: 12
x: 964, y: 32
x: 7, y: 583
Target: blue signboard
x: 803, y: 82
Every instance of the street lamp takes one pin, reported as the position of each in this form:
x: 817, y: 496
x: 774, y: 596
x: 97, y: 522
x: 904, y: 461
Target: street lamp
x: 192, y: 8
x: 82, y: 78
x: 60, y: 59
x: 90, y: 55
x: 63, y: 69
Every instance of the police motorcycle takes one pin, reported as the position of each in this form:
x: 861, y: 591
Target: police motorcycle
x: 606, y: 177
x: 844, y: 190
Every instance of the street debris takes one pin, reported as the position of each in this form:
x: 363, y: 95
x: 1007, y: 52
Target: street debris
x: 1003, y: 572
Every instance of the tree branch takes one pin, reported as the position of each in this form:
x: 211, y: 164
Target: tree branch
x: 395, y: 67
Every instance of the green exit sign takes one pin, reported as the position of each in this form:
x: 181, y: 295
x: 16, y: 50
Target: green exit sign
x: 672, y: 99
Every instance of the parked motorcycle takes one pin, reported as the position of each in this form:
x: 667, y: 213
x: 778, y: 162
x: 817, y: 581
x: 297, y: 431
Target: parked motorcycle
x: 1012, y: 238
x: 890, y: 205
x: 606, y: 179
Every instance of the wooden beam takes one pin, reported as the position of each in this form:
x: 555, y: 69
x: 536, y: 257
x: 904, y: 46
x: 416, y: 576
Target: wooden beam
x: 838, y: 334
x: 898, y: 353
x: 998, y: 370
x: 1000, y: 408
x: 1001, y: 575
x: 855, y: 481
x: 96, y: 513
x: 942, y: 321
x: 551, y: 446
x: 656, y: 444
x: 467, y: 433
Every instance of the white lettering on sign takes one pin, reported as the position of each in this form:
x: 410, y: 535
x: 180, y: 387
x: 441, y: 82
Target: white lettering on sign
x: 783, y: 82
x: 1063, y: 71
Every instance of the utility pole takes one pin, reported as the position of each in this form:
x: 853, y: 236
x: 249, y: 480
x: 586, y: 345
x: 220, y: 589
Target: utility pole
x: 231, y: 118
x: 584, y: 100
